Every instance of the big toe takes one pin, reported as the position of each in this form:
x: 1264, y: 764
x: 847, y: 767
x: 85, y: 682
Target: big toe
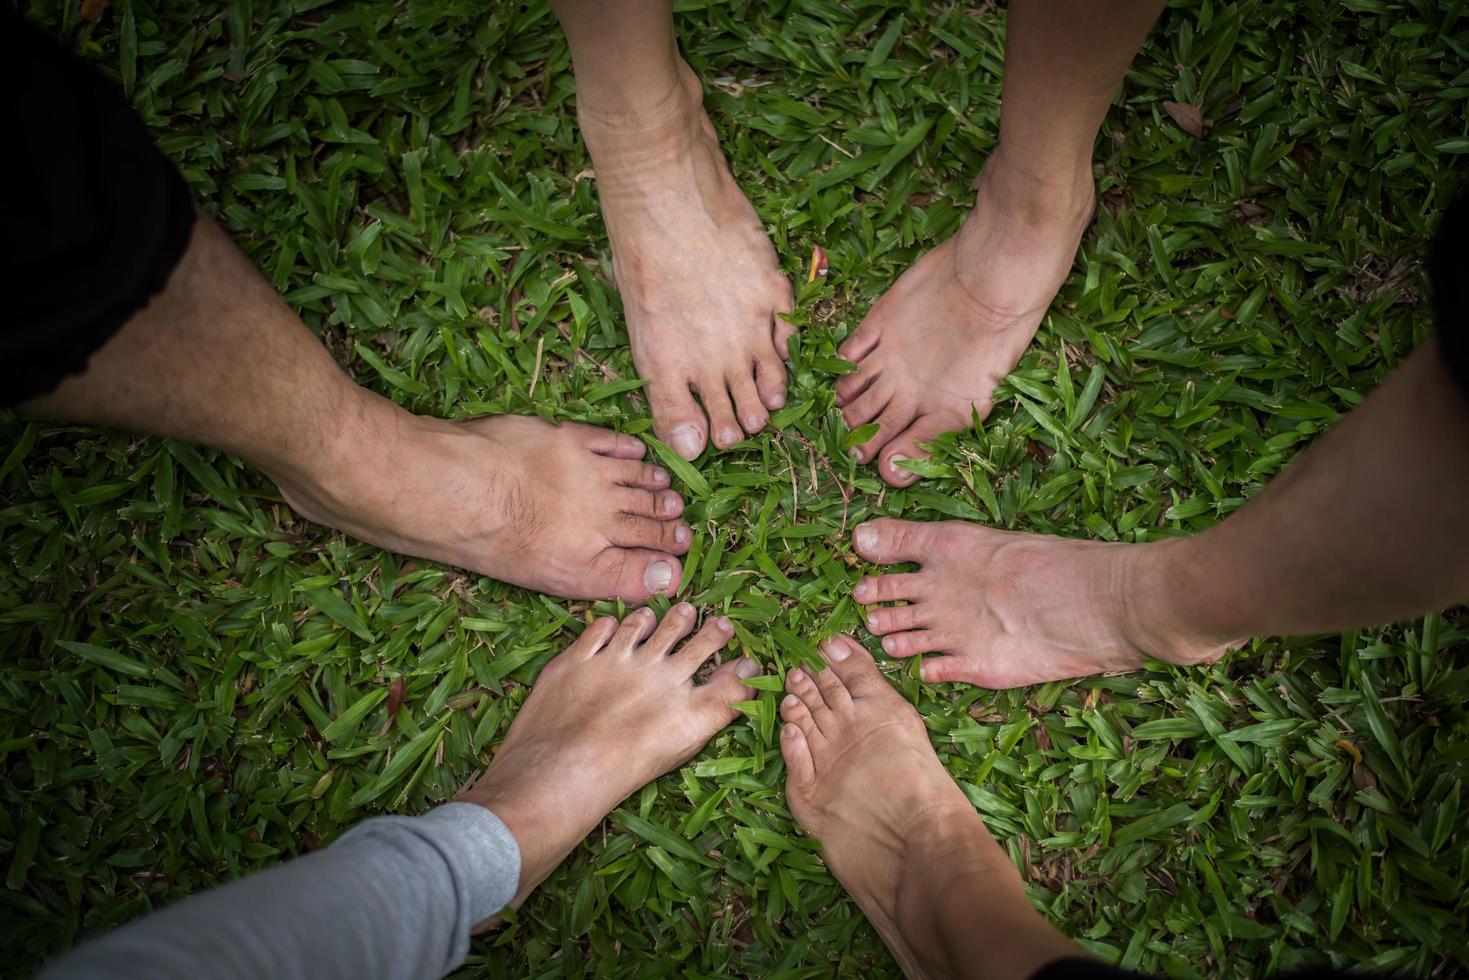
x: 887, y: 541
x: 634, y: 574
x: 854, y: 667
x: 677, y: 418
x: 905, y: 446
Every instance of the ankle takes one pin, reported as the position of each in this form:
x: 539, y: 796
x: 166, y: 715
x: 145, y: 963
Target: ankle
x: 606, y: 113
x: 1055, y: 191
x: 1159, y: 592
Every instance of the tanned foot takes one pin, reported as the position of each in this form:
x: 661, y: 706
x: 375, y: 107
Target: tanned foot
x: 616, y: 710
x: 932, y: 349
x: 897, y: 831
x: 1008, y: 610
x: 699, y: 279
x: 571, y: 510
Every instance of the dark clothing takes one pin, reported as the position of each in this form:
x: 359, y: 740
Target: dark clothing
x: 1448, y: 268
x: 102, y: 216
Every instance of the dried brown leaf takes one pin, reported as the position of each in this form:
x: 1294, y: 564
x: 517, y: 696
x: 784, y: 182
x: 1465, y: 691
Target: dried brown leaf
x: 93, y: 10
x: 1188, y: 117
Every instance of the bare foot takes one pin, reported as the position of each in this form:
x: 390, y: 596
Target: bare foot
x: 932, y: 349
x: 571, y: 510
x: 615, y: 711
x: 699, y: 279
x: 1008, y: 609
x: 896, y: 830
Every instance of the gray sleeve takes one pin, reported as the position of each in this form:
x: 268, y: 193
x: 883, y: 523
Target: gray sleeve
x: 393, y: 897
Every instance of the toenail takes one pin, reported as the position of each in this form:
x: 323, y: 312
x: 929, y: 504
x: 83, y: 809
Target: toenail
x: 686, y: 441
x: 777, y: 401
x: 681, y: 534
x: 860, y: 592
x: 795, y: 676
x: 872, y: 621
x: 893, y: 462
x: 657, y: 576
x: 790, y: 701
x: 887, y: 644
x: 725, y: 626
x: 728, y: 437
x: 669, y: 504
x: 753, y: 422
x: 747, y: 668
x: 660, y: 475
x: 865, y: 537
x: 856, y: 454
x: 684, y: 609
x: 790, y: 731
x: 836, y: 651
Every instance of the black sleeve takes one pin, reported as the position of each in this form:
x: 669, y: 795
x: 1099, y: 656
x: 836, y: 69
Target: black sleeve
x: 1078, y: 968
x: 99, y: 217
x: 1448, y: 268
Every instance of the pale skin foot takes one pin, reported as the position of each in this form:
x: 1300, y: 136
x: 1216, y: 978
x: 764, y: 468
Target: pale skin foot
x: 898, y: 832
x: 1007, y: 610
x: 699, y: 279
x: 572, y: 510
x: 932, y: 349
x: 616, y: 710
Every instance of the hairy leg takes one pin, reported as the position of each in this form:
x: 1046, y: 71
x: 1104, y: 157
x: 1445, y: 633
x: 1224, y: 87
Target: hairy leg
x: 1328, y: 545
x: 218, y: 358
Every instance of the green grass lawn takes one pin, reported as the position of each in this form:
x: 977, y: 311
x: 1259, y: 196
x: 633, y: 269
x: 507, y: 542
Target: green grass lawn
x: 194, y: 680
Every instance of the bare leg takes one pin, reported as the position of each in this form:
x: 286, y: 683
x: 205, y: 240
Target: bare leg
x: 616, y: 710
x: 899, y: 833
x: 699, y: 279
x: 218, y: 358
x: 1365, y: 528
x: 933, y: 348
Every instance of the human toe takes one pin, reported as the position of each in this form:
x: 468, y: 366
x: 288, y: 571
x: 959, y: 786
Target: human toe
x: 895, y: 619
x: 636, y: 531
x: 636, y: 626
x: 911, y: 643
x: 795, y: 749
x: 639, y: 476
x: 637, y: 573
x: 725, y: 686
x: 748, y: 407
x: 851, y: 662
x: 711, y: 638
x: 890, y: 588
x: 887, y: 541
x: 893, y: 419
x: 724, y: 431
x: 795, y: 712
x: 677, y: 418
x: 605, y: 442
x: 905, y: 446
x: 675, y: 626
x: 770, y: 380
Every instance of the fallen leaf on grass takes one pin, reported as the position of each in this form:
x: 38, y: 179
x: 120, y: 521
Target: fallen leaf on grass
x: 395, y: 702
x: 1189, y: 118
x: 93, y: 10
x: 818, y: 264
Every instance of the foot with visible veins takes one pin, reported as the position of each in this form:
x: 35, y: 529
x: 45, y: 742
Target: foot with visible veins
x: 616, y: 710
x: 699, y: 280
x: 932, y: 349
x: 571, y: 509
x: 1007, y: 610
x: 896, y: 829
